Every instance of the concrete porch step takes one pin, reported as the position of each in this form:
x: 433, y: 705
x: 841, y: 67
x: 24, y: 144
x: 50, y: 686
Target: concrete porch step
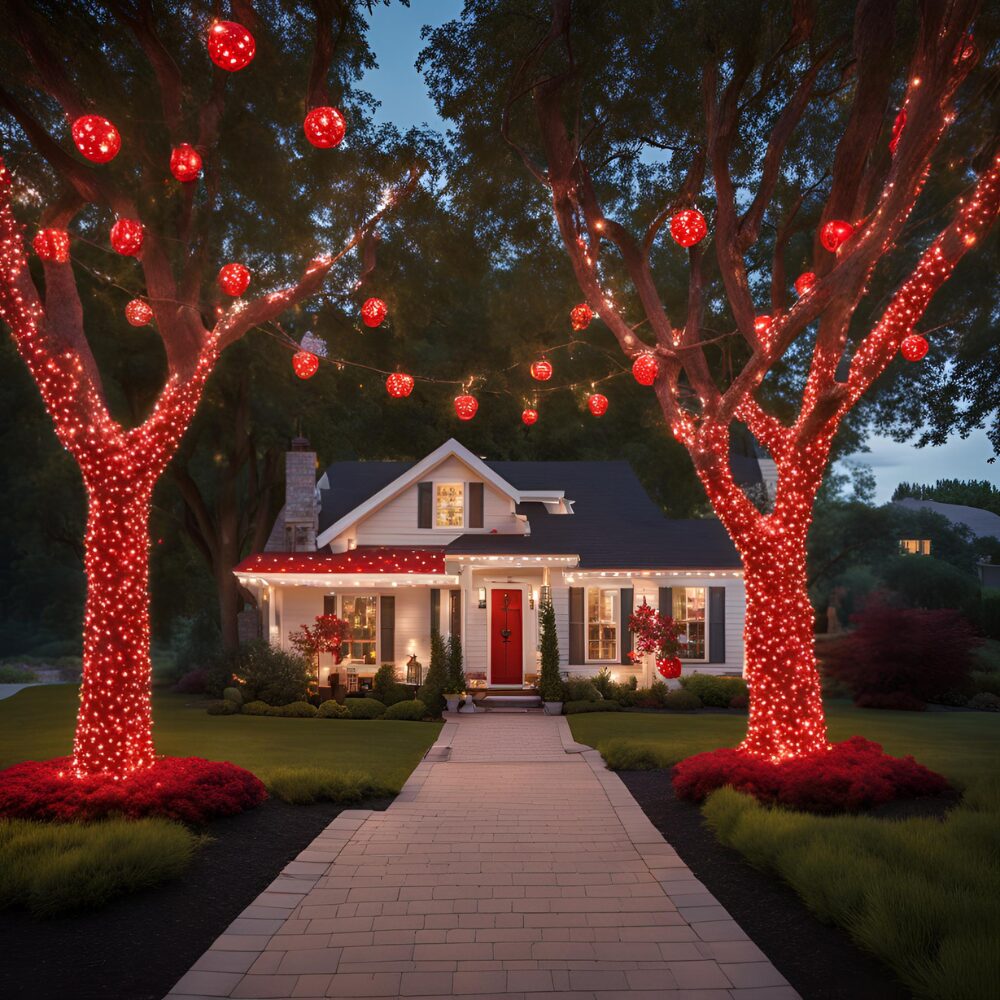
x: 510, y: 702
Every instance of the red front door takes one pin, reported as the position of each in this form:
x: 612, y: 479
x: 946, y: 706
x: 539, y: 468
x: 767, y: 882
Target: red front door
x: 506, y: 643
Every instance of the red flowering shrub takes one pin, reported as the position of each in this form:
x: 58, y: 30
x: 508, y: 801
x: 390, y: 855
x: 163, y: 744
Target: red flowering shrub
x: 852, y: 775
x: 189, y: 789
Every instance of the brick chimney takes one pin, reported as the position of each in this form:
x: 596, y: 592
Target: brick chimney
x: 301, y: 503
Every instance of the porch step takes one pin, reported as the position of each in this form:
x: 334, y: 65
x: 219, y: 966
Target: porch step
x: 510, y: 702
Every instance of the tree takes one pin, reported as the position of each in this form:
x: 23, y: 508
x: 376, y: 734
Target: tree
x: 432, y: 690
x: 550, y: 685
x: 456, y: 670
x: 183, y: 232
x: 792, y: 376
x: 969, y: 493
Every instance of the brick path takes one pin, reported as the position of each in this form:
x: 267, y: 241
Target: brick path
x: 512, y: 864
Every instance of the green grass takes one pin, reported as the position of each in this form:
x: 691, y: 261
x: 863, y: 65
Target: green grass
x: 305, y: 785
x: 54, y: 868
x: 37, y: 723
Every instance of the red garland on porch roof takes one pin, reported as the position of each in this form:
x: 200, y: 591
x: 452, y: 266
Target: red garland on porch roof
x: 375, y: 559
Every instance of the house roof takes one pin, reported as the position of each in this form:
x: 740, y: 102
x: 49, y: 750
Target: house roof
x: 364, y: 559
x: 982, y: 523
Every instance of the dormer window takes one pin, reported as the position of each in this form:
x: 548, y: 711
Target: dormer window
x: 449, y: 505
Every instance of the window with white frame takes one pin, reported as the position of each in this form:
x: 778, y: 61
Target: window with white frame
x: 449, y: 505
x: 361, y: 613
x: 602, y: 624
x: 689, y: 613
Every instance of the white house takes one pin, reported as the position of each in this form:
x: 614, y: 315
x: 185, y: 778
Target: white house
x: 472, y: 547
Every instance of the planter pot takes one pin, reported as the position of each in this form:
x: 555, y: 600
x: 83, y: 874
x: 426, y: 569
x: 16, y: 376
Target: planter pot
x: 553, y: 708
x: 452, y: 704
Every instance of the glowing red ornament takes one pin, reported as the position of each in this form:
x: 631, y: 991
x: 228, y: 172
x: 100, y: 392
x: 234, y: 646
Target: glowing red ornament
x: 373, y: 312
x: 324, y: 127
x: 541, y: 370
x: 597, y: 404
x: 185, y: 163
x: 96, y: 138
x: 230, y: 45
x: 398, y: 385
x: 305, y: 363
x: 645, y: 368
x: 127, y: 236
x: 580, y: 316
x: 466, y: 406
x: 234, y: 279
x: 529, y: 416
x: 138, y: 312
x: 688, y: 227
x: 835, y: 234
x: 762, y: 325
x: 52, y: 244
x: 914, y: 347
x: 669, y: 667
x: 804, y: 282
x: 897, y: 131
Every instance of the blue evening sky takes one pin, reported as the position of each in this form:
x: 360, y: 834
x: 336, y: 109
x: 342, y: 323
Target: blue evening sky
x: 395, y: 39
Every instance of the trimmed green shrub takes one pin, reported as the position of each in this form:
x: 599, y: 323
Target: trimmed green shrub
x: 365, y: 708
x: 306, y: 785
x: 629, y: 755
x: 651, y: 697
x: 385, y: 687
x: 269, y: 674
x: 223, y: 707
x: 235, y: 695
x: 296, y: 710
x: 550, y: 685
x: 579, y: 707
x: 984, y: 680
x: 256, y: 708
x: 716, y: 692
x: 13, y: 674
x: 926, y: 582
x: 985, y: 701
x: 681, y: 701
x: 431, y: 692
x: 580, y: 689
x: 456, y: 668
x: 406, y: 711
x: 603, y: 682
x: 332, y: 710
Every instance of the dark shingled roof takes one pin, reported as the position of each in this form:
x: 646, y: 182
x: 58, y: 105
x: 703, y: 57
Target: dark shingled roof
x: 614, y: 524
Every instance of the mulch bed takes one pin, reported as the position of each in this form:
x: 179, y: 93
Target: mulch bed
x: 819, y: 960
x: 137, y: 947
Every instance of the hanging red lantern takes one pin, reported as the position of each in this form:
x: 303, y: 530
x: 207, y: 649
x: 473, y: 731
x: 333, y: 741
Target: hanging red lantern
x: 804, y: 282
x: 466, y: 406
x: 185, y: 163
x: 914, y: 347
x: 835, y: 234
x: 580, y: 316
x: 529, y: 416
x: 373, y: 312
x: 541, y: 370
x: 645, y: 368
x: 138, y: 312
x: 398, y: 385
x: 597, y: 404
x: 668, y: 667
x: 305, y: 363
x: 52, y: 244
x: 762, y: 325
x: 230, y: 45
x: 324, y: 127
x: 688, y: 227
x: 96, y: 138
x: 234, y: 279
x: 127, y: 236
x: 897, y: 131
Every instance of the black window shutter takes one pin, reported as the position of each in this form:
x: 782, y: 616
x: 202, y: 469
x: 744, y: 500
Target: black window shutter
x: 329, y: 604
x: 716, y: 624
x: 628, y: 598
x: 475, y: 505
x: 667, y: 601
x: 435, y: 610
x: 424, y: 504
x: 455, y: 610
x: 576, y: 625
x: 387, y: 628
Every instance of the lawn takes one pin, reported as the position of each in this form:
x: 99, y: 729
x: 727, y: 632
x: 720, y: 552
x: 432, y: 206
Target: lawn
x: 37, y: 723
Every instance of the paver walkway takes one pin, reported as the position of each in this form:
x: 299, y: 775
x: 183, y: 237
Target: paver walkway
x: 512, y: 864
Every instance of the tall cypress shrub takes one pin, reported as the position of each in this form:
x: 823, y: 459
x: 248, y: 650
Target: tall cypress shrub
x: 456, y: 668
x: 432, y: 690
x: 550, y: 685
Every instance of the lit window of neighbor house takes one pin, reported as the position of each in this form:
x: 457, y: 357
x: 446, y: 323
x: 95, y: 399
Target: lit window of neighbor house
x: 602, y: 625
x: 915, y: 546
x: 689, y: 613
x: 449, y: 505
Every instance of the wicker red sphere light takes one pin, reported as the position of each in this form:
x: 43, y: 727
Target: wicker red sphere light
x: 835, y: 234
x: 669, y: 667
x: 230, y: 46
x: 529, y: 416
x: 398, y: 385
x: 466, y: 406
x: 305, y: 364
x: 234, y: 279
x: 580, y: 316
x: 597, y: 403
x: 688, y: 227
x: 52, y: 244
x: 127, y: 236
x: 185, y: 163
x: 325, y: 127
x: 804, y: 283
x: 373, y: 312
x: 914, y: 347
x: 96, y: 138
x: 645, y: 368
x: 138, y: 312
x: 541, y: 370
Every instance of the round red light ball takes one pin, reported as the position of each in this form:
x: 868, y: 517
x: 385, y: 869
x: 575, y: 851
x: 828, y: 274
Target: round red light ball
x: 138, y: 312
x: 127, y: 236
x: 466, y: 406
x: 645, y: 368
x: 597, y: 404
x: 230, y: 45
x: 668, y: 667
x: 804, y: 282
x: 185, y: 163
x: 688, y: 227
x: 305, y: 364
x: 234, y: 279
x: 373, y: 312
x: 52, y: 244
x: 580, y: 316
x: 762, y: 325
x: 324, y: 127
x: 541, y: 370
x: 398, y: 385
x: 96, y: 138
x: 529, y: 416
x: 914, y: 347
x: 835, y: 234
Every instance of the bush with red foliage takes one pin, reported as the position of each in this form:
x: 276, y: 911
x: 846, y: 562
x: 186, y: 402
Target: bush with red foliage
x: 902, y: 651
x: 852, y: 775
x: 189, y: 789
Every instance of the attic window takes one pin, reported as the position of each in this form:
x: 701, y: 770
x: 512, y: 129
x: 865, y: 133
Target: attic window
x: 449, y: 505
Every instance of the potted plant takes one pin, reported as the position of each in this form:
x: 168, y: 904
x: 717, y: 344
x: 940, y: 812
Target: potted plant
x: 452, y: 698
x: 550, y: 685
x: 657, y: 634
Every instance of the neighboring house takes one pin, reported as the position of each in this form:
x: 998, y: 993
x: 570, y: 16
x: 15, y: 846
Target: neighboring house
x: 472, y: 548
